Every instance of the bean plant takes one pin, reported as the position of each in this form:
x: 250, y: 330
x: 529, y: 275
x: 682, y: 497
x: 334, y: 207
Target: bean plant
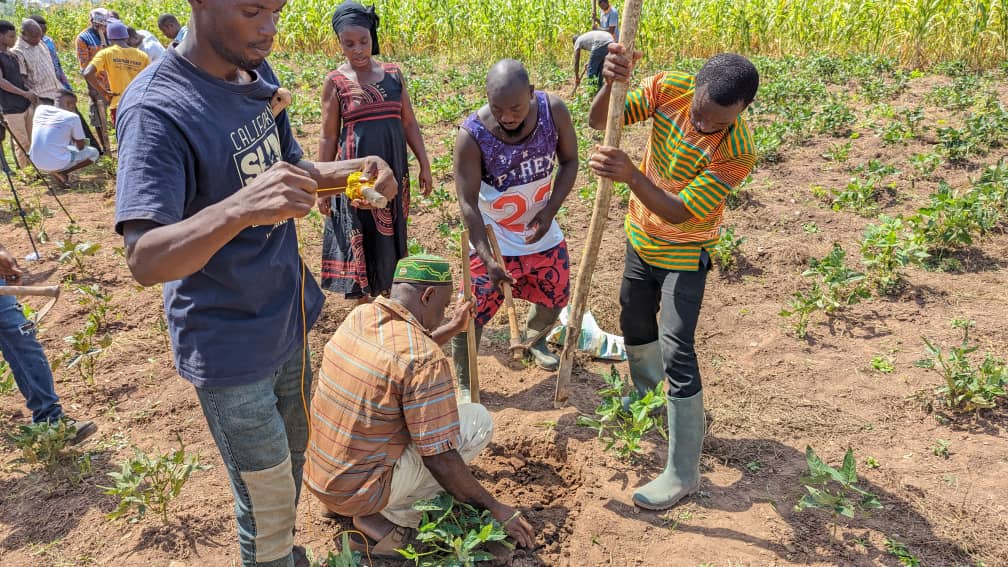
x: 835, y: 490
x: 968, y: 387
x: 151, y: 482
x: 834, y: 287
x: 622, y: 425
x: 453, y: 534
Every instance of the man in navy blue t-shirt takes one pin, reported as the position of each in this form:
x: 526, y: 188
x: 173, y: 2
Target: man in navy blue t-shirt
x: 208, y: 185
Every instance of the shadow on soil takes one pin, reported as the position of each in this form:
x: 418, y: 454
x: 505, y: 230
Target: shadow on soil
x: 45, y: 505
x: 778, y: 483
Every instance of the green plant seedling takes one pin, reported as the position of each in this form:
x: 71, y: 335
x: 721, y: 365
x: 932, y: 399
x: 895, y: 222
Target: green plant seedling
x: 149, y: 481
x: 860, y: 196
x: 7, y: 384
x: 835, y: 490
x: 73, y: 251
x: 839, y: 153
x: 453, y: 534
x: 882, y: 364
x: 872, y: 463
x: 941, y: 449
x: 834, y: 287
x: 901, y: 553
x: 810, y: 227
x: 345, y: 557
x: 622, y: 427
x: 726, y: 251
x: 966, y: 388
x: 43, y: 442
x: 889, y: 247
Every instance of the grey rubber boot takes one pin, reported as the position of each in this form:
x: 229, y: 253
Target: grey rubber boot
x: 460, y: 359
x: 540, y: 322
x: 682, y: 469
x: 647, y: 369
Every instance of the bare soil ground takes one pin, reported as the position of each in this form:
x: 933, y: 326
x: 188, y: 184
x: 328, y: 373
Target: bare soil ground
x: 768, y: 396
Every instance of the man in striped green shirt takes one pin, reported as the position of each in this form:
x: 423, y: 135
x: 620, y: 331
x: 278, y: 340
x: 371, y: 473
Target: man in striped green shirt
x: 700, y: 147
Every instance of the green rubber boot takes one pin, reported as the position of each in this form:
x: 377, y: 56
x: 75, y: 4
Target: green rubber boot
x: 540, y: 322
x: 682, y: 470
x: 647, y: 369
x: 460, y: 359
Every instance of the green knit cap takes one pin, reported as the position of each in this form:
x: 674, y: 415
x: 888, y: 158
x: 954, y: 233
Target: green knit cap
x: 423, y: 268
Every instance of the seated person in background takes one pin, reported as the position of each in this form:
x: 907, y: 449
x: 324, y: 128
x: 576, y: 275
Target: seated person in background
x: 119, y: 62
x: 386, y: 428
x: 169, y: 25
x: 146, y: 42
x: 595, y: 42
x: 58, y: 143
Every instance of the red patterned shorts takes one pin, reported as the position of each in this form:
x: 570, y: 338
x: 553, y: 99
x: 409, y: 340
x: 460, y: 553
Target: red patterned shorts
x: 542, y: 278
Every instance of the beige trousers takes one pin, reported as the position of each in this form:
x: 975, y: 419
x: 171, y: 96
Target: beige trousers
x: 20, y: 126
x: 411, y: 481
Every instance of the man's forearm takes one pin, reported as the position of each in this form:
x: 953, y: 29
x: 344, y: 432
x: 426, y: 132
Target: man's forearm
x: 454, y: 476
x: 473, y: 220
x: 599, y: 113
x: 9, y: 87
x: 172, y: 252
x: 562, y: 186
x: 668, y: 206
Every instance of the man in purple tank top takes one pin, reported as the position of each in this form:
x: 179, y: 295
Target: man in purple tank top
x: 506, y: 155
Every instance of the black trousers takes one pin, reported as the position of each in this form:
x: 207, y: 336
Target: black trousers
x: 664, y: 305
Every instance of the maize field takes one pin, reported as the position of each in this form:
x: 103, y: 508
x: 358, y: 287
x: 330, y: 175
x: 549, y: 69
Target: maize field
x: 918, y: 32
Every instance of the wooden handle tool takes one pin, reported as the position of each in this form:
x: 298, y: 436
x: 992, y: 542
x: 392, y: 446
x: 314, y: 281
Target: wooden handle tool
x: 517, y: 348
x: 474, y: 395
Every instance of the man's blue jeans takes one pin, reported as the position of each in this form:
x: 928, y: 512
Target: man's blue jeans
x: 27, y: 361
x: 261, y: 430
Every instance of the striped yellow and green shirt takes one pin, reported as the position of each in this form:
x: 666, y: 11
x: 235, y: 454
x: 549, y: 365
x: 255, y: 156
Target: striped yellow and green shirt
x: 700, y: 168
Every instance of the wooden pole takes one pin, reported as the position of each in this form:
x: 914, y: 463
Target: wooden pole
x: 515, y: 341
x: 47, y: 291
x: 474, y: 396
x: 613, y: 133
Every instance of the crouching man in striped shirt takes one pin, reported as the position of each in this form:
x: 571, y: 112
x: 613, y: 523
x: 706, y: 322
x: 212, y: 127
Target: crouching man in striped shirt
x: 386, y: 430
x: 699, y: 148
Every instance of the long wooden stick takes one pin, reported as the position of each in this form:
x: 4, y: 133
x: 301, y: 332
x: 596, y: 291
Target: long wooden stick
x: 43, y: 290
x: 474, y: 396
x: 516, y: 339
x: 613, y: 133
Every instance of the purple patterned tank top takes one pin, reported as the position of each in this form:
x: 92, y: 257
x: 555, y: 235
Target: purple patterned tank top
x: 506, y: 165
x: 517, y: 181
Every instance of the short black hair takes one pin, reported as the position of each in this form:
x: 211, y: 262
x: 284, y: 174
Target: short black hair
x: 164, y: 19
x: 38, y: 19
x: 6, y: 26
x: 63, y: 93
x: 730, y: 78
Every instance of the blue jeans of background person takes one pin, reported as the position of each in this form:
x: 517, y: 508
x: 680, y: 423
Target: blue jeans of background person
x: 27, y: 361
x: 261, y: 430
x: 664, y: 305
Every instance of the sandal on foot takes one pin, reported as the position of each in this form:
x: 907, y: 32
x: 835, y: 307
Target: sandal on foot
x: 397, y: 538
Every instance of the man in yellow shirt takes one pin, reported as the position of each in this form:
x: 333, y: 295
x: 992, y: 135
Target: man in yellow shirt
x: 120, y: 62
x: 700, y: 147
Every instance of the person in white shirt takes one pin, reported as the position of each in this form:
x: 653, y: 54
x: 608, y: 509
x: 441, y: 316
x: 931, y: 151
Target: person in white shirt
x: 597, y: 43
x: 58, y: 142
x: 146, y: 42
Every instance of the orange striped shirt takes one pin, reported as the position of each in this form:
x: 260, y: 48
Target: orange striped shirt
x: 384, y: 383
x: 700, y: 168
